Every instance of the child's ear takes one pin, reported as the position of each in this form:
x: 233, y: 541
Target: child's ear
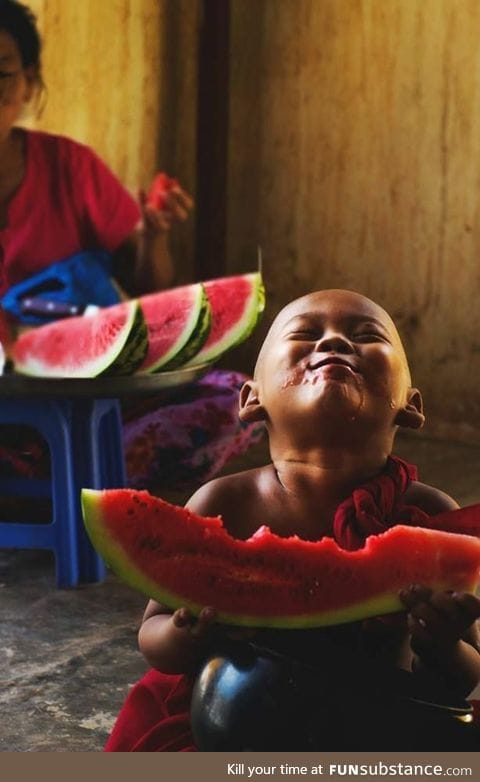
x: 249, y: 406
x: 411, y: 415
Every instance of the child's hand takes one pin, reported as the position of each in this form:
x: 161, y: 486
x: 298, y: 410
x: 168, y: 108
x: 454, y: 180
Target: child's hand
x: 195, y: 627
x: 203, y: 628
x: 438, y: 620
x: 175, y: 643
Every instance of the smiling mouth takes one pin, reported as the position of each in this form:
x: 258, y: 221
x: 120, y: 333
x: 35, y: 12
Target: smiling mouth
x: 332, y: 361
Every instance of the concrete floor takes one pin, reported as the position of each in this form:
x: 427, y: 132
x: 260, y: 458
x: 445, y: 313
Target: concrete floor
x: 69, y: 656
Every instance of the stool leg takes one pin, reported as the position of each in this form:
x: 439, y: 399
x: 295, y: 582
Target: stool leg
x: 100, y: 465
x: 63, y: 496
x: 63, y: 499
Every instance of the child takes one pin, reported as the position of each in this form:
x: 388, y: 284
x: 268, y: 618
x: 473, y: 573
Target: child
x: 332, y: 385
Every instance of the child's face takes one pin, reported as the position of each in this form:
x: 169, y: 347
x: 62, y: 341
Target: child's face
x: 15, y: 82
x: 332, y: 357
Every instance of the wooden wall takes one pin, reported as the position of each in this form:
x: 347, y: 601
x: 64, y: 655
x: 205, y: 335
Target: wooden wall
x: 355, y: 162
x: 121, y: 77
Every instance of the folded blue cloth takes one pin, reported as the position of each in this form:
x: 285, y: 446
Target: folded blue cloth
x: 82, y: 279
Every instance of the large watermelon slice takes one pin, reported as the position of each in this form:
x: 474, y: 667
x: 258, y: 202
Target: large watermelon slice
x: 182, y: 559
x: 113, y: 341
x: 237, y: 303
x: 178, y: 323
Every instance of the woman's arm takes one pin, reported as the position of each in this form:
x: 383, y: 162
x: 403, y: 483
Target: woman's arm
x: 143, y: 263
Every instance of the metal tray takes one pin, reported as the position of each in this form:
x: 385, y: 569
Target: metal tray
x: 97, y: 388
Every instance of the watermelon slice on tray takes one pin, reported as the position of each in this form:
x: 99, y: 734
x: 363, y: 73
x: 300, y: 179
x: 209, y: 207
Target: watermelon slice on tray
x: 182, y: 559
x: 178, y: 323
x: 182, y: 327
x: 236, y: 303
x: 110, y: 341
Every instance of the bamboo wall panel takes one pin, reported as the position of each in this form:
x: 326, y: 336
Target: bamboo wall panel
x: 355, y: 162
x: 121, y: 77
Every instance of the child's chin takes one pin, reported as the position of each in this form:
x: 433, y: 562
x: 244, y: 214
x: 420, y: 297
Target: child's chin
x: 337, y: 395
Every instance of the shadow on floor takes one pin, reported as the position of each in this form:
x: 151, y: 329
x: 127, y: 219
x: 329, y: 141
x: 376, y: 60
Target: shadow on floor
x: 69, y: 656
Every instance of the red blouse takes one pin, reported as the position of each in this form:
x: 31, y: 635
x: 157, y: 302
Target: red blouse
x: 68, y: 201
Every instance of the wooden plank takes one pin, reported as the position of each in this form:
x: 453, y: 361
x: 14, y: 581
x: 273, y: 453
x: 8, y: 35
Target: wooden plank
x: 212, y: 139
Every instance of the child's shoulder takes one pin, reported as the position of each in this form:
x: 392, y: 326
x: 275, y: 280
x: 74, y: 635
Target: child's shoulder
x: 429, y: 498
x: 238, y: 498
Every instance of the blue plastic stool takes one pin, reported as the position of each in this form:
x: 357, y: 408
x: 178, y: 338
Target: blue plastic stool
x: 86, y: 451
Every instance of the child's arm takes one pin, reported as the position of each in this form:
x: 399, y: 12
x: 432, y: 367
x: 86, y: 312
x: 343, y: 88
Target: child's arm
x: 174, y: 643
x: 444, y: 635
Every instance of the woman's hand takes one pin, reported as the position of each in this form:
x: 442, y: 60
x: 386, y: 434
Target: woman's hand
x: 160, y: 209
x: 165, y: 203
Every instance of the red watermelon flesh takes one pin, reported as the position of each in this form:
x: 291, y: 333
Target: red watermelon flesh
x: 112, y: 340
x: 236, y: 305
x: 178, y: 323
x: 159, y: 190
x: 182, y: 559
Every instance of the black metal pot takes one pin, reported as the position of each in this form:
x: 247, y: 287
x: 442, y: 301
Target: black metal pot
x: 248, y: 698
x: 239, y: 702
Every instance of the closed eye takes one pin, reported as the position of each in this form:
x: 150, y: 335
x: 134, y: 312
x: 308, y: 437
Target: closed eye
x: 370, y: 336
x: 304, y: 336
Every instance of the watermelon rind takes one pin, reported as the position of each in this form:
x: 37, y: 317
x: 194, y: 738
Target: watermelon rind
x: 384, y: 602
x: 197, y: 339
x: 241, y: 330
x: 133, y: 352
x: 191, y: 339
x: 124, y: 352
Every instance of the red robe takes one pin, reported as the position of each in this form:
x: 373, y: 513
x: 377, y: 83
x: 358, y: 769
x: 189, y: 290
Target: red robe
x: 155, y: 716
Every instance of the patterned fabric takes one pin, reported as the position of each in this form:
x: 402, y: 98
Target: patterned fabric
x: 185, y: 438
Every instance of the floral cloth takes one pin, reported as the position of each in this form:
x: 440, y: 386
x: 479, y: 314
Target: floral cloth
x: 184, y: 438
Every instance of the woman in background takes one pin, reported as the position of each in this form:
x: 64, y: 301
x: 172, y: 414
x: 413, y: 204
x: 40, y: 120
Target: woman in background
x: 57, y: 199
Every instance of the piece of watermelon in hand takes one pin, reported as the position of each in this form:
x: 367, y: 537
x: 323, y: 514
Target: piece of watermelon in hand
x: 159, y: 189
x: 181, y: 558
